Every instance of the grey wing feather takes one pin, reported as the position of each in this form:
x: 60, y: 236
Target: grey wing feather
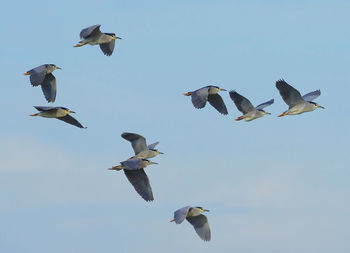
x: 133, y: 164
x: 312, y: 95
x: 45, y: 108
x: 242, y: 103
x: 49, y: 87
x: 37, y: 75
x: 201, y: 225
x: 153, y: 145
x: 180, y: 214
x: 200, y: 97
x: 90, y: 31
x: 107, y: 48
x: 140, y: 181
x: 263, y: 105
x: 70, y: 120
x: 216, y: 101
x: 290, y: 95
x: 138, y: 142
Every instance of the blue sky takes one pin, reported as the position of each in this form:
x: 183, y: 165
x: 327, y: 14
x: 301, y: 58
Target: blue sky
x: 272, y: 185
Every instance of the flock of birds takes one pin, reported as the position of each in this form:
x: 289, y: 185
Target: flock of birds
x: 134, y: 166
x: 297, y: 103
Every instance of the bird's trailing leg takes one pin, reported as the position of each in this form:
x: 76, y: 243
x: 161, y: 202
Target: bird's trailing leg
x: 36, y: 114
x: 283, y: 114
x: 188, y: 94
x: 172, y: 220
x: 240, y: 118
x: 119, y: 167
x: 81, y: 44
x: 27, y: 74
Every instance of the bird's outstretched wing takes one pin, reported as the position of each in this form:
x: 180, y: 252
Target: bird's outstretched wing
x: 108, y: 48
x: 138, y: 142
x: 242, y: 103
x: 263, y: 105
x: 133, y: 163
x: 45, y: 108
x: 180, y: 214
x: 49, y: 87
x: 70, y: 120
x: 200, y: 97
x: 37, y: 75
x: 140, y: 181
x: 90, y: 31
x: 201, y: 225
x: 290, y: 95
x: 312, y: 95
x: 153, y: 145
x: 216, y: 101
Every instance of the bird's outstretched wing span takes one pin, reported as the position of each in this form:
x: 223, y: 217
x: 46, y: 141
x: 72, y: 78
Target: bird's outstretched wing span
x: 180, y: 214
x: 290, y: 95
x: 312, y: 95
x: 45, y: 108
x: 263, y: 105
x: 90, y: 31
x: 108, y: 48
x: 70, y: 120
x: 37, y: 75
x: 216, y: 101
x: 49, y: 88
x: 201, y: 225
x: 153, y: 145
x: 133, y: 164
x: 242, y: 103
x: 200, y: 97
x: 138, y: 142
x: 140, y: 181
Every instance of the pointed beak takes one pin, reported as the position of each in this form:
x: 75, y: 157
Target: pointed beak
x: 71, y: 112
x: 206, y: 210
x: 319, y: 106
x: 153, y: 163
x: 161, y: 153
x: 222, y: 89
x: 118, y: 38
x: 58, y: 67
x: 268, y: 113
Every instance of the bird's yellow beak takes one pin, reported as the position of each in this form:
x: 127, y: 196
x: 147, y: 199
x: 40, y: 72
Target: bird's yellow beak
x: 58, y: 67
x: 220, y: 89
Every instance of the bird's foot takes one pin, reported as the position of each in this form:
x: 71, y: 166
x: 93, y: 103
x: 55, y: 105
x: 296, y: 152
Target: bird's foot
x: 81, y: 44
x: 239, y: 118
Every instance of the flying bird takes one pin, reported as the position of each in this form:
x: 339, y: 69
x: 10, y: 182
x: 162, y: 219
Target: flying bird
x: 92, y: 35
x: 194, y: 216
x: 245, y: 106
x: 134, y: 171
x: 60, y: 113
x: 208, y: 93
x: 43, y: 76
x: 297, y: 104
x: 138, y: 143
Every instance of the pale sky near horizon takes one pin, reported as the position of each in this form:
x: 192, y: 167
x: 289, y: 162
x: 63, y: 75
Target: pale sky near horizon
x: 272, y: 185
